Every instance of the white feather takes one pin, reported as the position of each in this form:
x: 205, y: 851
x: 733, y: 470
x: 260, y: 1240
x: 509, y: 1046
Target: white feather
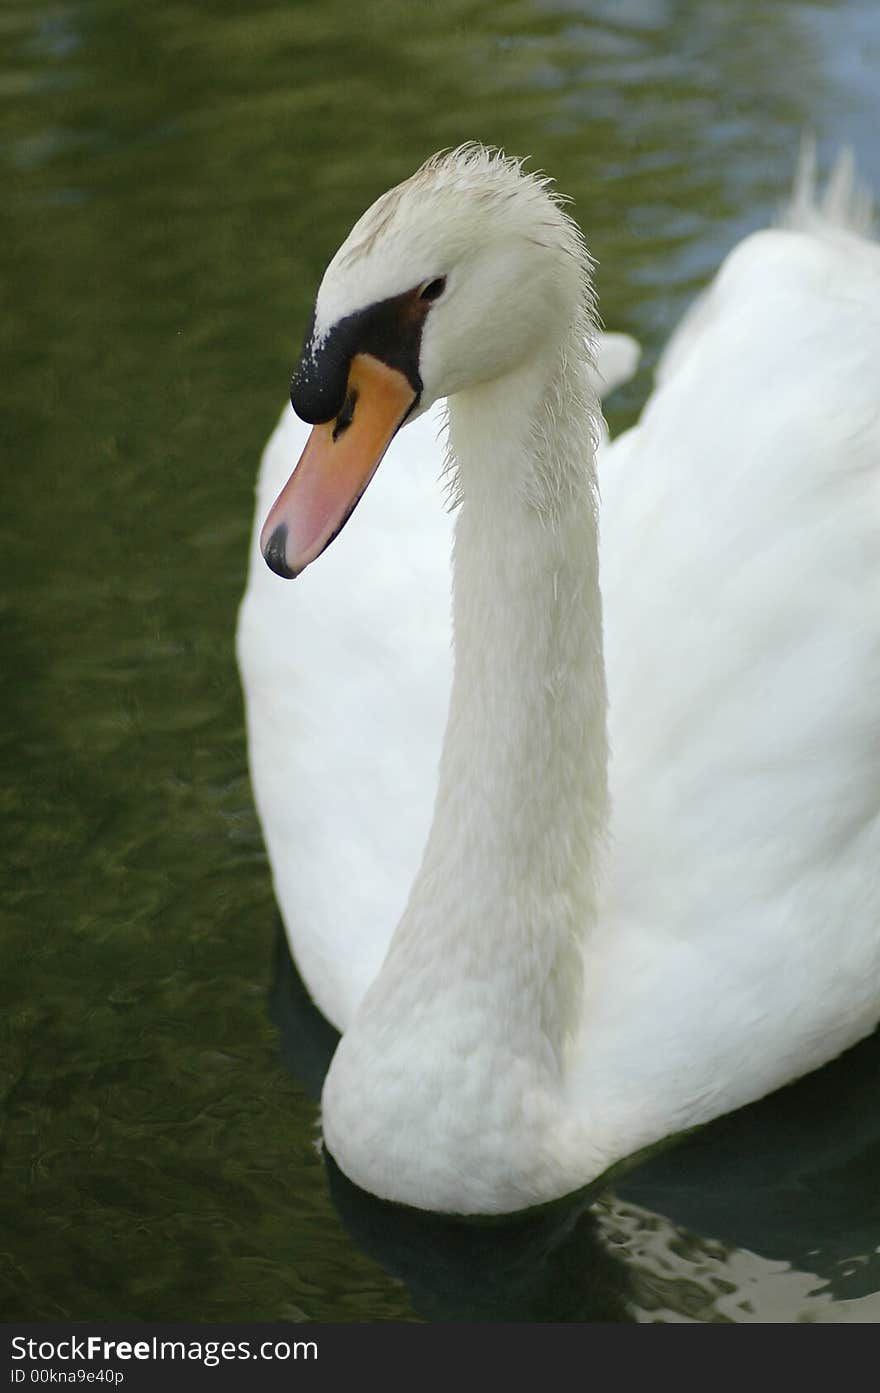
x: 568, y: 984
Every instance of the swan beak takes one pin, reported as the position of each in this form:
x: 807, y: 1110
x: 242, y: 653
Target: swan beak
x: 340, y: 459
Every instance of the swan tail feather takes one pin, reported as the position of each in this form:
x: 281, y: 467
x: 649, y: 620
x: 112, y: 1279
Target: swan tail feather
x: 845, y: 204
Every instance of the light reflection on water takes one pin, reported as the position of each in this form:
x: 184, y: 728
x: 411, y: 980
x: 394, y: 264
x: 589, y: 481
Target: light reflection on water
x: 175, y: 179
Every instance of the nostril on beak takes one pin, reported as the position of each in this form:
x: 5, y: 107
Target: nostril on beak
x: 346, y: 414
x: 275, y: 553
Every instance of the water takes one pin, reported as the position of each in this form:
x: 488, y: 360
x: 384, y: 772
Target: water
x: 175, y: 177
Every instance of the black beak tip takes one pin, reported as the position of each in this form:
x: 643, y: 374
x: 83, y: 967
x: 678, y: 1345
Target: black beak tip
x: 275, y: 553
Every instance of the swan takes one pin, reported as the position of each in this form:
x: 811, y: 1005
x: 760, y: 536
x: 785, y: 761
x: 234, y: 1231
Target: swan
x: 630, y: 885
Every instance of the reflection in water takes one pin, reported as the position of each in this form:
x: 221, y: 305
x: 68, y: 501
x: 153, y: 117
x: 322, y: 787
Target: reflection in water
x: 771, y: 1213
x: 174, y: 178
x: 544, y: 1266
x: 678, y: 1275
x: 793, y: 1177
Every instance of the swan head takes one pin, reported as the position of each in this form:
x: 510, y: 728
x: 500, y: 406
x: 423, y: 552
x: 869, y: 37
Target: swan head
x: 452, y: 279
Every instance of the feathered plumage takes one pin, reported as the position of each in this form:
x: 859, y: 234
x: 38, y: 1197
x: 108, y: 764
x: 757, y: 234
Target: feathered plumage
x: 593, y: 951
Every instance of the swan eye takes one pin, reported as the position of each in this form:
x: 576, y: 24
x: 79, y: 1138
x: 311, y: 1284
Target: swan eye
x: 433, y: 290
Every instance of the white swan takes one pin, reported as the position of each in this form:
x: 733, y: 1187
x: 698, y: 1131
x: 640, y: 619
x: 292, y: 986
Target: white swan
x: 571, y: 978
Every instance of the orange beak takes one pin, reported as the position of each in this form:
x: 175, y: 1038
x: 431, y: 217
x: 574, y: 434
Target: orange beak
x: 339, y: 460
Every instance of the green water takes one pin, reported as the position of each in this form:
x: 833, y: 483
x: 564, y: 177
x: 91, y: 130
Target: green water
x: 174, y: 178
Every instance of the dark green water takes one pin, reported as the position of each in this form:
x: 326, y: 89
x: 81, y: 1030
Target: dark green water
x: 174, y: 178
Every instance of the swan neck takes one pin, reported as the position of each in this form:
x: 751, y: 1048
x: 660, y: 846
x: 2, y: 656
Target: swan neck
x: 510, y: 868
x: 473, y: 1016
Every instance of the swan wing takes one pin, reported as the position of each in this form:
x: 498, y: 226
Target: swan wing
x: 741, y: 591
x: 346, y: 674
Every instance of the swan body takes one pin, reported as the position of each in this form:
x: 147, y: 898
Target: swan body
x: 632, y: 882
